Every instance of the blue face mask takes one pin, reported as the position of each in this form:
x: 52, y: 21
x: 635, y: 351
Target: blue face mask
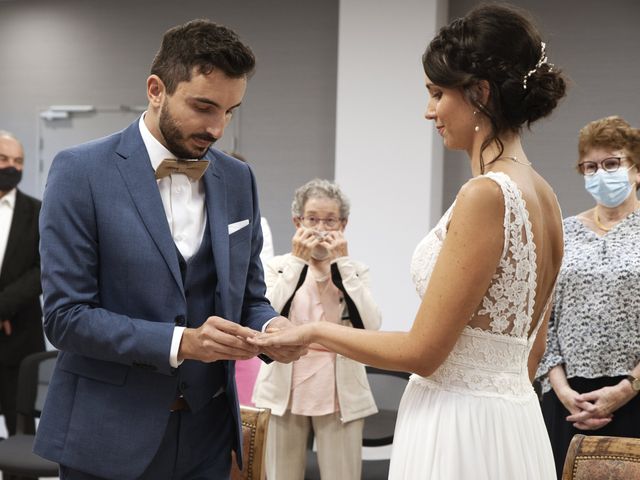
x: 609, y: 188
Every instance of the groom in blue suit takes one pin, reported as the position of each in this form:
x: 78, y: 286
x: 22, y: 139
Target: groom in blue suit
x: 152, y: 281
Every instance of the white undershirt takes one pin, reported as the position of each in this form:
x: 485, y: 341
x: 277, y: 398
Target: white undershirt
x: 182, y: 199
x: 7, y: 206
x: 184, y: 206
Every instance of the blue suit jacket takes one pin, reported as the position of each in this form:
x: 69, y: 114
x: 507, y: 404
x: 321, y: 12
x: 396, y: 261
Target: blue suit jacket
x: 112, y: 292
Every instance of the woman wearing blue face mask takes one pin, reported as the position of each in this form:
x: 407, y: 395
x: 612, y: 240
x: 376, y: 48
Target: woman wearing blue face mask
x: 591, y: 368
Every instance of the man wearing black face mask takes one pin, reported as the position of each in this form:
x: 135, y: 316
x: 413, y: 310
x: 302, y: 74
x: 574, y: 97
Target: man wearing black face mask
x: 20, y: 313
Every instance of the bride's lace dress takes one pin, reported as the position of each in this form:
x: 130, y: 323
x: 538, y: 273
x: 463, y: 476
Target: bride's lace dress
x: 477, y: 416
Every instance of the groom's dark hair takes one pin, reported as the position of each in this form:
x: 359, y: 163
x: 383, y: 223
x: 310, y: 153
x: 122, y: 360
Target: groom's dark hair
x: 205, y: 46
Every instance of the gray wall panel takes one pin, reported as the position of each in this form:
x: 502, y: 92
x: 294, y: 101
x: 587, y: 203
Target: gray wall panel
x: 596, y: 45
x: 89, y: 52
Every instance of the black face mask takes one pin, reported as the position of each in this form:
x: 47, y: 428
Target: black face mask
x: 9, y: 178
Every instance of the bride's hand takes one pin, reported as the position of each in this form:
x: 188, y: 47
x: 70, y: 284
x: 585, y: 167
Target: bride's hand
x: 300, y: 335
x: 282, y: 353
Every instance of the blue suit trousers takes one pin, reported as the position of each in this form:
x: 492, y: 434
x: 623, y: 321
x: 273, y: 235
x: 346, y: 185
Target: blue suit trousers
x: 194, y: 447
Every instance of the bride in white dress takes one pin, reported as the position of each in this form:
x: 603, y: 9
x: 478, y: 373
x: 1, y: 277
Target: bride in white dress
x: 485, y: 273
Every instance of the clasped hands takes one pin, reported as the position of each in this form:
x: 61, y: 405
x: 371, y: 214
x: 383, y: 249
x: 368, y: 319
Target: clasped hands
x: 594, y: 410
x: 220, y: 339
x: 305, y: 240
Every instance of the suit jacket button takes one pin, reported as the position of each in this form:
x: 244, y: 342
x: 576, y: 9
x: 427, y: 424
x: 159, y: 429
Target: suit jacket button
x: 180, y: 321
x: 183, y: 385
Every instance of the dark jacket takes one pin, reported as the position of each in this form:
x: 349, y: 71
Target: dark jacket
x: 20, y: 284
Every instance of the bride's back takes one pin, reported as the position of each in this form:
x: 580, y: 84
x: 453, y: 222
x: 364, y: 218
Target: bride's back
x: 515, y: 301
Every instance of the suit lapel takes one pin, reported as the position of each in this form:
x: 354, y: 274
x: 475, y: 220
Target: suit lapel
x: 19, y: 226
x: 138, y: 175
x: 216, y: 201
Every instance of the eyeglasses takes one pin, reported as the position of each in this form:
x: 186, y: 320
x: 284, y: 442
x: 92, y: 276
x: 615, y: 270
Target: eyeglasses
x: 312, y: 221
x: 609, y: 164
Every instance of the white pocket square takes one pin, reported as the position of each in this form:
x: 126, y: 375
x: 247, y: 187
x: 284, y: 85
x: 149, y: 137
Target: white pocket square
x: 234, y: 227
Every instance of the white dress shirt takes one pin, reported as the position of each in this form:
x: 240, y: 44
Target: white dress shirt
x: 267, y: 242
x: 7, y: 206
x: 184, y: 206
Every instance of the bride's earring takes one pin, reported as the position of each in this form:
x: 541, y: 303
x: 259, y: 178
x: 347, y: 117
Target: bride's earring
x: 477, y: 127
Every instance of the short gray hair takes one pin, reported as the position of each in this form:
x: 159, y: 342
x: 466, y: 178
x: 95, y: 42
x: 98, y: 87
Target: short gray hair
x: 319, y: 188
x: 6, y: 134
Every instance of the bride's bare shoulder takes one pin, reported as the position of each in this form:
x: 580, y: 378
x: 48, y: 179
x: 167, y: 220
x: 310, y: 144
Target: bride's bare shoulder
x: 481, y: 199
x: 481, y: 187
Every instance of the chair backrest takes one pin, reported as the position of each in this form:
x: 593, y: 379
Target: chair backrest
x: 387, y: 388
x: 33, y: 381
x: 602, y: 458
x: 255, y: 423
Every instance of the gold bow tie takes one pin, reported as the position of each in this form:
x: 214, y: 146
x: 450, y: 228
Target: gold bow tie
x: 194, y: 169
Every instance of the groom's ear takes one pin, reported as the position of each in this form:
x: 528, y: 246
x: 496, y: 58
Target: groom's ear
x: 156, y: 90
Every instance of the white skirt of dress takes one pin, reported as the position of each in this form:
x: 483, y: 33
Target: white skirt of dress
x: 448, y: 435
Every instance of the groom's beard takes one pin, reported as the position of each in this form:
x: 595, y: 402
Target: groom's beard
x: 176, y: 141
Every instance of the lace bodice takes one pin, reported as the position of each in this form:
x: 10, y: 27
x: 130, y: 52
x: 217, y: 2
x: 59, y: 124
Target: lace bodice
x: 490, y: 357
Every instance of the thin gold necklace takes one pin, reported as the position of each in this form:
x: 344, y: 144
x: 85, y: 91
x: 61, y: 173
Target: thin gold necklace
x: 596, y: 217
x: 515, y: 159
x: 509, y: 157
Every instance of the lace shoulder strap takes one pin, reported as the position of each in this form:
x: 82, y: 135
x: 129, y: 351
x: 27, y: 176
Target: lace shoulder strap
x: 534, y: 334
x: 510, y: 200
x: 510, y: 299
x: 547, y: 305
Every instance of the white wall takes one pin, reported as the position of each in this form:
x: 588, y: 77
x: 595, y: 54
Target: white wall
x: 386, y: 158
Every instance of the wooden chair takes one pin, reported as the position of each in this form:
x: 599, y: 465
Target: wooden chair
x: 602, y: 458
x: 255, y: 423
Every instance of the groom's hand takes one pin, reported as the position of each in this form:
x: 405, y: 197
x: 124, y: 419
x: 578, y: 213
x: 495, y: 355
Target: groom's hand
x: 217, y: 339
x: 284, y: 353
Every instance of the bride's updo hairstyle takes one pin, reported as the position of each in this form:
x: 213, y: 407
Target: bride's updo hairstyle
x: 498, y: 44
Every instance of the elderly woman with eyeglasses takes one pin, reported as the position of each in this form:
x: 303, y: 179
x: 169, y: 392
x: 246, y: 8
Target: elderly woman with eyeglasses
x: 591, y: 368
x: 322, y: 391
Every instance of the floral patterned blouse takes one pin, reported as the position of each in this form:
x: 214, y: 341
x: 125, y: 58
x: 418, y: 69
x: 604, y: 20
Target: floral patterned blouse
x: 594, y: 329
